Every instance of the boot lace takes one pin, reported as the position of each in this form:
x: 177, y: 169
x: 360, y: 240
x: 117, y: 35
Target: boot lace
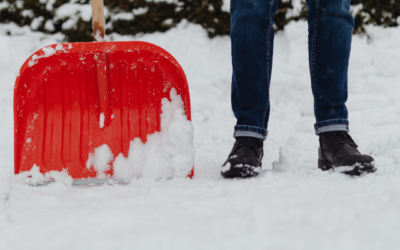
x: 254, y: 143
x: 340, y: 138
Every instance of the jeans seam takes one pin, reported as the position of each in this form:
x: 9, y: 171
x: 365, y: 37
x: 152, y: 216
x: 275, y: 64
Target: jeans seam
x: 246, y: 129
x: 314, y: 50
x: 342, y: 120
x: 332, y: 122
x: 268, y: 55
x: 250, y: 134
x: 320, y: 126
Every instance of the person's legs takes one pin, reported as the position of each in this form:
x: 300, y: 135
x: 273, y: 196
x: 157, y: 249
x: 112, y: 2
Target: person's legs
x: 252, y: 37
x: 330, y: 31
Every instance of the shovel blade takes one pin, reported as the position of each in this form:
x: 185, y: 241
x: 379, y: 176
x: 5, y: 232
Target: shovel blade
x: 71, y: 98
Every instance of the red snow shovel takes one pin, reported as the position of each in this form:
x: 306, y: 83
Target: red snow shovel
x: 71, y: 98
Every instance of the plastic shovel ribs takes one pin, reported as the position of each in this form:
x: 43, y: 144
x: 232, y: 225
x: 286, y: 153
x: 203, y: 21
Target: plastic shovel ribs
x: 71, y: 98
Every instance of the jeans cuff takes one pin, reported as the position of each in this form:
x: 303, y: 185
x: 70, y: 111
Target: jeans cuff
x: 250, y: 131
x: 331, y: 125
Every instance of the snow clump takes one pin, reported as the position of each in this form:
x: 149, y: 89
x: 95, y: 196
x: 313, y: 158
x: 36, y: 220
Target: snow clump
x: 99, y: 38
x: 102, y: 119
x: 34, y: 177
x: 100, y: 160
x: 47, y: 52
x: 166, y: 154
x: 286, y: 162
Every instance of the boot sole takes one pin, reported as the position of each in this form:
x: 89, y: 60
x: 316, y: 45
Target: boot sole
x: 357, y: 170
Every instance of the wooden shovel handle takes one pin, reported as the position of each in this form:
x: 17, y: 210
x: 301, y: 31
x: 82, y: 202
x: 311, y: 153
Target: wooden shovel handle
x: 98, y: 20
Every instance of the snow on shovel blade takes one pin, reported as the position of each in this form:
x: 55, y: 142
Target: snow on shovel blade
x: 71, y: 98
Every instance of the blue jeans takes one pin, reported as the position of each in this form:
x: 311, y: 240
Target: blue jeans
x: 330, y: 26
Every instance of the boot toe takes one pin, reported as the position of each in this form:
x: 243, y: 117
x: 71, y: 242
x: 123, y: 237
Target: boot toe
x: 351, y: 160
x: 245, y: 167
x: 356, y: 165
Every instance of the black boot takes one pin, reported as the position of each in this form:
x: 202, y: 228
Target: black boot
x: 245, y: 158
x: 339, y: 152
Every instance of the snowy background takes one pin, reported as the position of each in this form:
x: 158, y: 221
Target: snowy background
x: 293, y: 206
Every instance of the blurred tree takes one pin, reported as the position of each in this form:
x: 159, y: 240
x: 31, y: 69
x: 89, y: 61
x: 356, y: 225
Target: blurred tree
x: 378, y: 12
x: 146, y: 16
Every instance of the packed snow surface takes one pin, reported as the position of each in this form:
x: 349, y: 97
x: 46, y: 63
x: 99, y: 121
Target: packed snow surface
x: 290, y: 205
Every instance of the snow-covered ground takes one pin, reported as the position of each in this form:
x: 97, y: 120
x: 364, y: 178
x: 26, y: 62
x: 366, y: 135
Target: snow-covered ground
x: 298, y: 207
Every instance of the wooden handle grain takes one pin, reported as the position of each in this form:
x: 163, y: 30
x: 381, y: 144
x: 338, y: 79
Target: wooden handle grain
x: 98, y: 20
